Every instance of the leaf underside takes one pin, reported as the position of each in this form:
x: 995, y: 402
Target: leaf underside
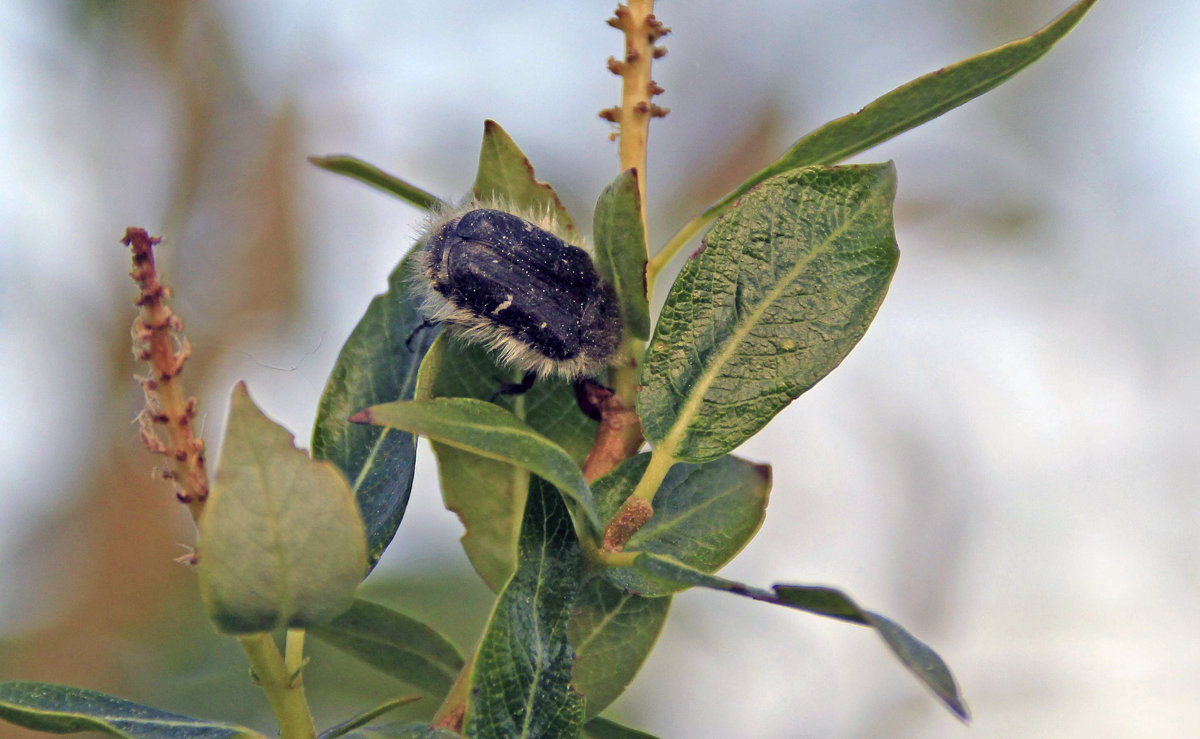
x: 281, y: 542
x: 395, y: 644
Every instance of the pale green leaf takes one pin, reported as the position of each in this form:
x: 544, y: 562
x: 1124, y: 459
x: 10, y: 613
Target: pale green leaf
x: 505, y: 174
x: 281, y: 542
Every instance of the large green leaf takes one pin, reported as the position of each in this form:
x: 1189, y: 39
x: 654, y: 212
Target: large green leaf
x: 914, y: 103
x: 395, y: 644
x: 357, y: 169
x: 612, y: 632
x: 520, y: 680
x: 914, y: 654
x: 60, y: 709
x: 281, y: 542
x: 621, y: 250
x: 784, y: 285
x: 378, y: 364
x: 703, y: 514
x: 489, y: 430
x: 506, y: 175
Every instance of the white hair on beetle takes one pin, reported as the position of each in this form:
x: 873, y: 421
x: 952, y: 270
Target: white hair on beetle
x: 570, y: 350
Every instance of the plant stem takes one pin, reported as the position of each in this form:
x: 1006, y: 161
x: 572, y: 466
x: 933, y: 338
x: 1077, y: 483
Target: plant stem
x: 633, y: 118
x: 677, y: 242
x: 637, y: 509
x: 284, y: 691
x: 642, y: 29
x: 661, y: 461
x: 293, y: 652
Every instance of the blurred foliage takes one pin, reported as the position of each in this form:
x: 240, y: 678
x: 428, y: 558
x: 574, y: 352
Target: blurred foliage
x: 232, y: 210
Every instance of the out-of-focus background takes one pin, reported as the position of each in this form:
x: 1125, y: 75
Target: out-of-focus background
x: 1007, y: 464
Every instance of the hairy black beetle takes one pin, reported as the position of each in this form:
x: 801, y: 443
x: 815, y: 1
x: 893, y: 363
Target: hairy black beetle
x: 500, y: 280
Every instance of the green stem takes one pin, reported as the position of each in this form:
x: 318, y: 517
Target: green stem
x: 293, y: 651
x: 636, y: 91
x: 285, y: 694
x: 659, y: 261
x: 661, y: 461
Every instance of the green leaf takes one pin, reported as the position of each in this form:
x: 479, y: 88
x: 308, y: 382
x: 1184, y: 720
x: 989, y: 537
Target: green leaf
x: 784, y: 285
x: 357, y: 169
x: 60, y: 709
x: 280, y: 542
x: 404, y: 731
x: 621, y: 250
x: 612, y: 632
x: 491, y: 431
x: 488, y: 495
x: 506, y: 175
x: 366, y: 717
x: 394, y: 644
x: 914, y: 654
x: 602, y: 728
x: 704, y: 514
x: 470, y: 371
x: 378, y: 364
x: 914, y: 103
x: 520, y: 680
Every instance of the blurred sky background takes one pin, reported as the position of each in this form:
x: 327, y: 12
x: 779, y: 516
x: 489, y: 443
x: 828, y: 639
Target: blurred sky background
x: 1007, y: 464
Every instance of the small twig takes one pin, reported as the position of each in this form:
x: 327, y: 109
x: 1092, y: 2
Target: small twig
x: 166, y: 420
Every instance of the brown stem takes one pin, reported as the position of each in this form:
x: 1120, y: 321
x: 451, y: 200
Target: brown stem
x: 618, y: 436
x: 632, y: 516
